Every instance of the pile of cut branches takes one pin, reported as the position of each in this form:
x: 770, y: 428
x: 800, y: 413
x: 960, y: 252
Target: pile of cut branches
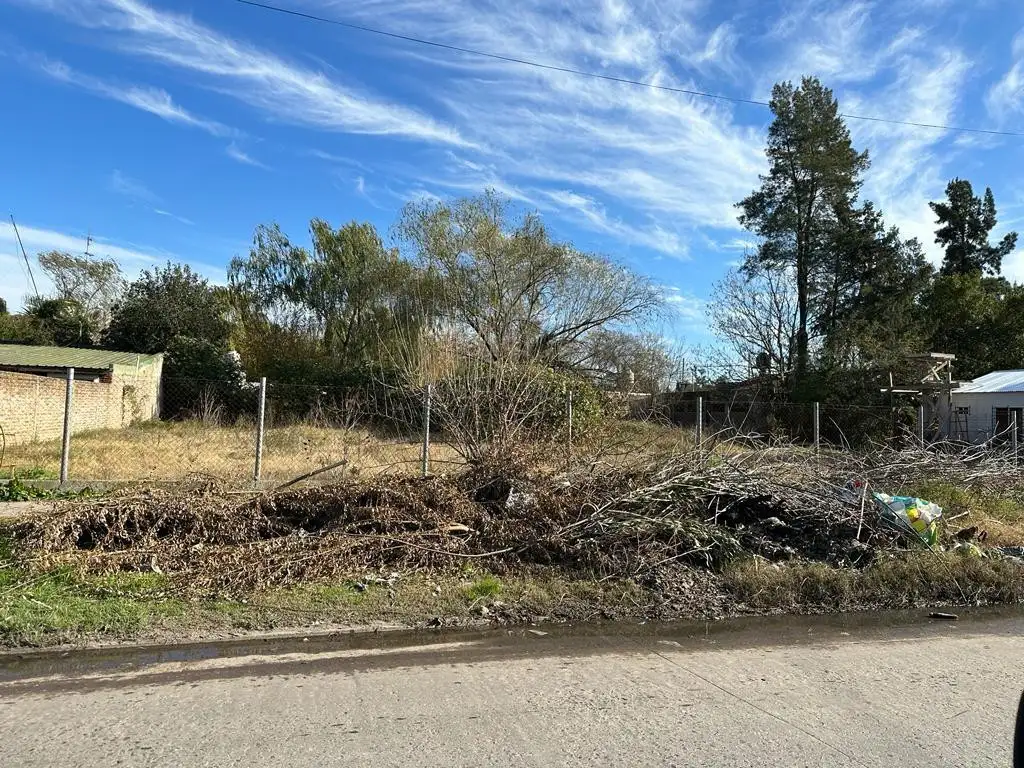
x: 696, y: 510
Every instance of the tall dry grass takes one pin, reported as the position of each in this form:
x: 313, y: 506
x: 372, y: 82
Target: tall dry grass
x: 170, y: 451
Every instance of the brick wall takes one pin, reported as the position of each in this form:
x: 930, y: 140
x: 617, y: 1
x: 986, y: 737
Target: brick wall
x: 32, y: 407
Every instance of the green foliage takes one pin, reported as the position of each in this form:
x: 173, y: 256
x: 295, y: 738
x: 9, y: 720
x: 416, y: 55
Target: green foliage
x: 167, y: 303
x: 965, y: 223
x: 15, y: 490
x: 199, y: 375
x: 519, y: 294
x: 812, y: 180
x: 24, y: 329
x: 979, y: 319
x: 60, y: 605
x: 349, y: 299
x: 64, y: 322
x: 92, y: 283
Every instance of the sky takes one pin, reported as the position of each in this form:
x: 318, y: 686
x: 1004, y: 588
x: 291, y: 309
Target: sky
x: 169, y: 129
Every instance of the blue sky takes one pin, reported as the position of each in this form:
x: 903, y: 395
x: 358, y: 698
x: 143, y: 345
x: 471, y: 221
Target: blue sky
x: 168, y: 129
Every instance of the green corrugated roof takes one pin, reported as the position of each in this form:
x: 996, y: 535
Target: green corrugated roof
x: 69, y: 357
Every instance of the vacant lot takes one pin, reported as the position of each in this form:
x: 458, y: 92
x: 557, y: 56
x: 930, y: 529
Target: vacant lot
x: 170, y: 451
x: 173, y: 450
x: 685, y: 534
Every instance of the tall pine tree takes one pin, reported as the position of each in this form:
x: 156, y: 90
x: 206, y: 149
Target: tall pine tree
x: 813, y: 174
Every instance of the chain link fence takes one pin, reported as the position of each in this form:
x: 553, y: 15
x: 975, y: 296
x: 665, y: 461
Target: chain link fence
x: 267, y: 434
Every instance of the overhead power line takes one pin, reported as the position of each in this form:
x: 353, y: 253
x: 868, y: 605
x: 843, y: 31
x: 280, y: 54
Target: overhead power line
x: 597, y: 75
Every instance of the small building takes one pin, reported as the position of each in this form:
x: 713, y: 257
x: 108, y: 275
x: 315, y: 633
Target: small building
x: 112, y: 390
x: 985, y: 408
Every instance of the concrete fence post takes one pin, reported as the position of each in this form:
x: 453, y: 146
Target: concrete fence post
x: 260, y: 421
x: 817, y: 426
x: 426, y: 432
x: 65, y: 448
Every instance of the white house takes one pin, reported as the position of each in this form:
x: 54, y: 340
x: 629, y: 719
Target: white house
x: 985, y: 408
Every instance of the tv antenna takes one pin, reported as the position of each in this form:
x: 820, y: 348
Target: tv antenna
x: 25, y: 256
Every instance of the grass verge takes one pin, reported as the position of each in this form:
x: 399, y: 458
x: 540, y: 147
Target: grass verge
x: 63, y: 606
x: 898, y: 580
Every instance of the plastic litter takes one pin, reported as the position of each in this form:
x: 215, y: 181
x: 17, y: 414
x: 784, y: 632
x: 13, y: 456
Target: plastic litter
x: 914, y: 515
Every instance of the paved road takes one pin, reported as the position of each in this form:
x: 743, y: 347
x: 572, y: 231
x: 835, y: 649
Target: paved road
x: 797, y: 693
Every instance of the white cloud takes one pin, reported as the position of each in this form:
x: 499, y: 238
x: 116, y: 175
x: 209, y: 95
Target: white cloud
x: 594, y: 216
x: 1013, y: 266
x: 37, y: 240
x: 283, y: 91
x: 156, y: 101
x: 909, y: 163
x: 236, y: 153
x: 1006, y: 97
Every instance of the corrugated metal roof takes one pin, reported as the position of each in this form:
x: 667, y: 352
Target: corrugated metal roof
x: 997, y: 381
x: 68, y: 357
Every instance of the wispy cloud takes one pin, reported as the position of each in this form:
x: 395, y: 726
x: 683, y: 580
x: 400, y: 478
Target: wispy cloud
x: 123, y: 184
x: 595, y: 216
x: 156, y: 101
x: 236, y: 153
x: 1006, y: 96
x: 283, y: 91
x: 168, y: 214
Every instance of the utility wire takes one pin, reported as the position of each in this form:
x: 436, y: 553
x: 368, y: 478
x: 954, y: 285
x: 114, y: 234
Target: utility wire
x: 597, y: 75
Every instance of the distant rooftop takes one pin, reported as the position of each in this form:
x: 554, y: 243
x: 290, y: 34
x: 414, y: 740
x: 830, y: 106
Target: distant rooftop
x: 997, y: 381
x: 19, y: 355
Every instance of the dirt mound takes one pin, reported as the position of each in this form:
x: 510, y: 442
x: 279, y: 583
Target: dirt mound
x: 595, y: 522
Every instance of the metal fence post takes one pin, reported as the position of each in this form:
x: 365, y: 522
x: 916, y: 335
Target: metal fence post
x: 1013, y: 435
x: 700, y: 420
x: 257, y: 469
x: 426, y: 432
x: 569, y: 414
x: 817, y: 426
x: 65, y: 448
x: 920, y: 424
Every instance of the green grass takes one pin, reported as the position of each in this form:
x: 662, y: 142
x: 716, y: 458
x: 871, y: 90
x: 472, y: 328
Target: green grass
x: 62, y: 605
x: 27, y: 473
x: 999, y: 513
x: 484, y: 587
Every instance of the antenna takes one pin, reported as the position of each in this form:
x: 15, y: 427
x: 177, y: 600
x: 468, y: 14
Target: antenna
x: 24, y: 256
x: 88, y: 242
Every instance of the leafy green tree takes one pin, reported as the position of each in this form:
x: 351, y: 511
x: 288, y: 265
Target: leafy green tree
x: 163, y: 304
x: 509, y: 286
x: 813, y: 173
x: 869, y: 314
x: 94, y: 284
x: 979, y: 319
x: 965, y: 224
x: 64, y: 322
x: 23, y: 329
x: 350, y: 293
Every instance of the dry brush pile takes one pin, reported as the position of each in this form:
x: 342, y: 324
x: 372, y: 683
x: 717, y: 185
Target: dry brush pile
x: 699, y: 510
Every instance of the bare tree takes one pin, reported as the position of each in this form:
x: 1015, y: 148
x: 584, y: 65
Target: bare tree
x: 521, y: 294
x: 757, y: 312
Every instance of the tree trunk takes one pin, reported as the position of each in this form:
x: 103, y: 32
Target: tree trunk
x: 802, y: 291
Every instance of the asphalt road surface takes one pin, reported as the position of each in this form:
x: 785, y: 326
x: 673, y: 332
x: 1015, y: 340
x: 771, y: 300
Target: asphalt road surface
x: 879, y: 691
